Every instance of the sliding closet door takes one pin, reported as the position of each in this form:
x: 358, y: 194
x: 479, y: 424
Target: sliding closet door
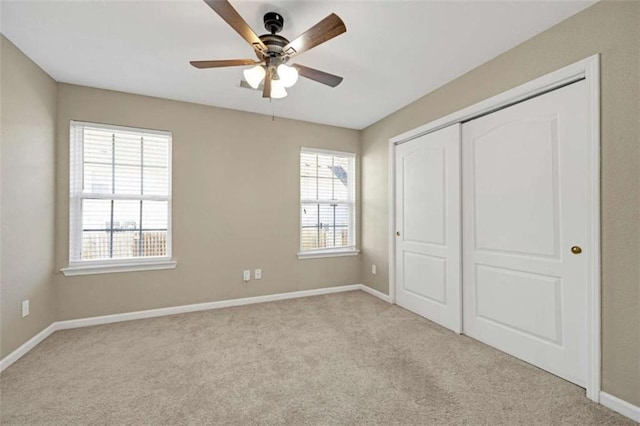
x: 526, y: 180
x: 428, y: 226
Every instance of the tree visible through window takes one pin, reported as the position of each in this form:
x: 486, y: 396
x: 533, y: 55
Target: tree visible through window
x: 120, y: 193
x: 327, y: 191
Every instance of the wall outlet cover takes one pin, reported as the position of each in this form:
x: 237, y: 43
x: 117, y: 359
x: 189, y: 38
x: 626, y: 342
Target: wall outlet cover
x: 25, y: 308
x: 257, y: 274
x: 246, y: 275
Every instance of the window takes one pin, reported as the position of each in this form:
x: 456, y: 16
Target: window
x: 120, y: 199
x: 327, y: 203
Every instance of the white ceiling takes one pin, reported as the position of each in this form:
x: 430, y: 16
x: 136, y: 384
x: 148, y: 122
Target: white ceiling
x: 393, y: 52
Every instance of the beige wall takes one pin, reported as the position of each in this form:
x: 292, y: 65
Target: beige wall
x: 235, y: 189
x: 27, y: 144
x: 609, y: 28
x: 235, y: 205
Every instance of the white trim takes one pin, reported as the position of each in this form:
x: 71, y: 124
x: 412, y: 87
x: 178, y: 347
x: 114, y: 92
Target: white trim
x: 328, y: 152
x: 119, y: 128
x: 609, y: 401
x: 587, y: 69
x: 26, y: 347
x: 170, y: 201
x: 375, y: 293
x: 151, y: 313
x: 621, y: 406
x: 129, y: 261
x: 111, y: 267
x: 317, y: 254
x: 594, y: 360
x: 161, y: 312
x: 392, y: 222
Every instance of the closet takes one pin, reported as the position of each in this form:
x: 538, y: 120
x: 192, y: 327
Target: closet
x: 493, y: 223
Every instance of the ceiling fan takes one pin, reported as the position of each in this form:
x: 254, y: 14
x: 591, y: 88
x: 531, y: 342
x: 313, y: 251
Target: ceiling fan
x: 274, y: 51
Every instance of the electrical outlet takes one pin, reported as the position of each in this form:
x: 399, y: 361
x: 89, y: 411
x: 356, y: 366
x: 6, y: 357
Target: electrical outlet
x: 25, y: 308
x: 257, y: 274
x: 246, y: 275
x: 373, y: 269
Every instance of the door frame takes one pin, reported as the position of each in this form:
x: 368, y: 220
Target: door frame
x: 589, y: 70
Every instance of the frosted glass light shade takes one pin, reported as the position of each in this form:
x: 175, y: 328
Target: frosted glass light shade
x: 288, y: 75
x: 277, y: 89
x: 254, y: 75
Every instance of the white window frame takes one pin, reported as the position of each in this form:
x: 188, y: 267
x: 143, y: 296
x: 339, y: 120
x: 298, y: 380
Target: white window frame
x: 76, y: 195
x: 330, y: 252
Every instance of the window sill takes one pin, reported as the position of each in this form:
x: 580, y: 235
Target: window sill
x: 107, y: 268
x: 326, y: 253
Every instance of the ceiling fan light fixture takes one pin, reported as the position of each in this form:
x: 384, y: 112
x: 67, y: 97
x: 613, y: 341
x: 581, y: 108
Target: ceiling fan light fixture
x: 288, y: 75
x: 277, y: 89
x: 274, y: 51
x: 254, y: 76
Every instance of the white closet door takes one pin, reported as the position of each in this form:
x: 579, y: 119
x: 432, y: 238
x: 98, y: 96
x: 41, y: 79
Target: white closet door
x: 428, y: 226
x: 526, y: 180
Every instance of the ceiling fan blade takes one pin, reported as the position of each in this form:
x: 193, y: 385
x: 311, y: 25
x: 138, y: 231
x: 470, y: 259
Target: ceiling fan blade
x: 233, y: 18
x: 223, y: 63
x: 330, y: 27
x: 317, y: 75
x: 266, y: 90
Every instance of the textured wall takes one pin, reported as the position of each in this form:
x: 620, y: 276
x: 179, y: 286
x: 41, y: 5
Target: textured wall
x: 235, y: 205
x: 609, y: 28
x: 27, y: 144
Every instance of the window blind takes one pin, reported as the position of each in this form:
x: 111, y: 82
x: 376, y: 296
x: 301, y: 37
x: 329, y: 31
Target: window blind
x: 120, y: 193
x: 327, y: 200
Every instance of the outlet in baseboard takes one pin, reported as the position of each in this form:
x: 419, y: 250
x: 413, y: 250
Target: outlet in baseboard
x: 374, y: 269
x: 25, y: 308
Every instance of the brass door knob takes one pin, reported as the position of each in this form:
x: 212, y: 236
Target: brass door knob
x: 576, y: 250
x: 398, y: 233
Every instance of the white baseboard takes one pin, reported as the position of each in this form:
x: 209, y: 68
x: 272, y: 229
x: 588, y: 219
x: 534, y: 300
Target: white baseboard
x: 26, y: 347
x: 616, y: 404
x: 621, y: 406
x: 151, y: 313
x: 375, y: 293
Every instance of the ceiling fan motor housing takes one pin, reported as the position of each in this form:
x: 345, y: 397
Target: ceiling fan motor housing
x: 273, y: 22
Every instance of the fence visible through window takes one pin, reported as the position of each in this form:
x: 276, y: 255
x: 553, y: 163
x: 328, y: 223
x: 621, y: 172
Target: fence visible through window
x: 327, y: 200
x: 120, y: 193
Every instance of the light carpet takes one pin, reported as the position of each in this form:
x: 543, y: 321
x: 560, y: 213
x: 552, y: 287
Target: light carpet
x: 345, y: 358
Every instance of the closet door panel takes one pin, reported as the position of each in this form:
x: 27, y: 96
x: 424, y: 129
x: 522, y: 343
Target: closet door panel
x: 428, y: 226
x: 526, y: 179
